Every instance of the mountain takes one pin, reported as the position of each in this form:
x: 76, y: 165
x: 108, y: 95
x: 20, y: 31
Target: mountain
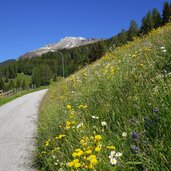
x: 7, y: 62
x: 66, y: 43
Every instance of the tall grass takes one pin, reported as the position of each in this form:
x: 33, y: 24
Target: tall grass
x: 112, y: 115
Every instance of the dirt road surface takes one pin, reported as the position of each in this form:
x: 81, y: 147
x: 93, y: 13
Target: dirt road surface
x: 17, y: 131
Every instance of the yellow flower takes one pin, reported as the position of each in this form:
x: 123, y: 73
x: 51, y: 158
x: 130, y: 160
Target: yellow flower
x: 71, y: 164
x: 84, y: 141
x: 78, y: 149
x: 57, y: 148
x: 47, y: 143
x: 82, y: 106
x: 68, y: 124
x: 110, y: 147
x: 112, y: 70
x: 141, y: 65
x: 88, y: 151
x: 93, y: 159
x: 85, y: 107
x: 134, y: 55
x: 74, y: 154
x: 80, y: 153
x: 97, y: 137
x: 77, y: 165
x: 98, y: 149
x: 43, y: 152
x: 76, y: 161
x: 60, y: 136
x: 69, y: 107
x: 72, y: 114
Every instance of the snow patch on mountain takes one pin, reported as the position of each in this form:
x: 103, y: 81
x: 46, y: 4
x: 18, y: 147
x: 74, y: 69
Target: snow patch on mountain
x: 65, y: 43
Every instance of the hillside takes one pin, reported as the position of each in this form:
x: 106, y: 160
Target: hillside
x: 113, y: 114
x: 7, y: 62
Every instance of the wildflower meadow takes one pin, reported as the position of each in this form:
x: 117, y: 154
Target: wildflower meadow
x: 112, y: 115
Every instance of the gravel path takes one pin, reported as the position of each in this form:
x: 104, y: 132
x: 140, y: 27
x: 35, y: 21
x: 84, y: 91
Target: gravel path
x: 17, y: 129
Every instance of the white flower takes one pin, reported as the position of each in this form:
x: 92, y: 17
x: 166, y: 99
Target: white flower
x: 162, y: 47
x: 113, y: 161
x: 118, y: 154
x: 81, y: 124
x: 95, y: 117
x: 112, y: 153
x: 103, y: 123
x: 164, y: 50
x: 124, y: 134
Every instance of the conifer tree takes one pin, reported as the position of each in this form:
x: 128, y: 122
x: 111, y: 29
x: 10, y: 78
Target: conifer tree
x: 133, y: 30
x: 123, y: 37
x: 147, y: 23
x: 166, y: 13
x: 156, y: 18
x: 41, y: 75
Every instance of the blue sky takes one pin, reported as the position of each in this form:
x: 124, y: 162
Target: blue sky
x: 29, y: 24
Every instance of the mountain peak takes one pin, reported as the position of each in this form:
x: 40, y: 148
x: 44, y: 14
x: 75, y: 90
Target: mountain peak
x: 65, y: 43
x: 74, y: 38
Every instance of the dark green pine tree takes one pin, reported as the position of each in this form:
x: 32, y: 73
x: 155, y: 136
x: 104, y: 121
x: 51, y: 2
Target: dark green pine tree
x: 123, y: 37
x: 166, y: 13
x: 41, y: 75
x: 147, y: 23
x: 96, y: 51
x: 133, y: 30
x: 156, y: 18
x: 150, y: 23
x: 36, y: 76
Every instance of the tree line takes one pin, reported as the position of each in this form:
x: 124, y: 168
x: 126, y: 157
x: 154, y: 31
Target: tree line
x: 48, y: 66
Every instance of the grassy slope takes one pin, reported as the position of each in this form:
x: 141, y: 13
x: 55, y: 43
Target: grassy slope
x: 128, y: 90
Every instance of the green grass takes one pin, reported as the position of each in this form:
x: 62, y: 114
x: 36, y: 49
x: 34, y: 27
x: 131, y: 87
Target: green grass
x: 4, y: 100
x: 120, y: 103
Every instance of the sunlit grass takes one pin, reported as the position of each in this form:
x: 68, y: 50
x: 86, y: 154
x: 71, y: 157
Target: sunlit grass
x: 112, y: 115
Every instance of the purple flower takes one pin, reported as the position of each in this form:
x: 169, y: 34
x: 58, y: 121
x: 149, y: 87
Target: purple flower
x: 155, y: 110
x: 135, y: 149
x: 134, y: 136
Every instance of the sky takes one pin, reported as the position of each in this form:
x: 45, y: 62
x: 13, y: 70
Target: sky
x: 26, y: 25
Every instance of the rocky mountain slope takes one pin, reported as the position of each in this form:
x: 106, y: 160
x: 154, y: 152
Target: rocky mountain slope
x: 66, y: 43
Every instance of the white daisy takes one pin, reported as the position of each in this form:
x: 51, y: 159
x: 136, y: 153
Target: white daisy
x: 113, y: 161
x: 124, y: 134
